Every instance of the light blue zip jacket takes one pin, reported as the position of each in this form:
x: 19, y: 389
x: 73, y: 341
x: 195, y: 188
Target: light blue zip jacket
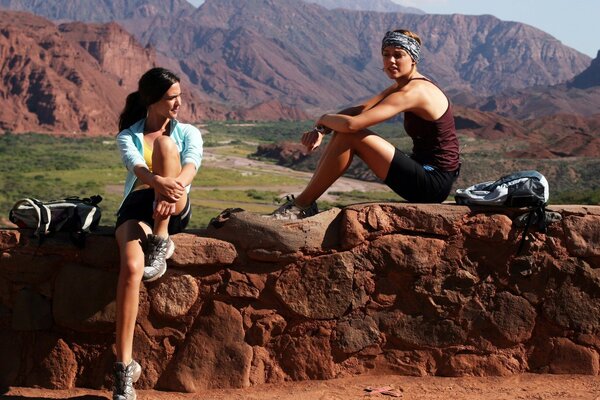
x: 130, y: 142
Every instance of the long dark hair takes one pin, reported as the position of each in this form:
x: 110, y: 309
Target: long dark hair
x: 151, y: 88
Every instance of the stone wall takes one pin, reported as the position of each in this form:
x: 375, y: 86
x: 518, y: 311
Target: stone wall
x: 408, y: 289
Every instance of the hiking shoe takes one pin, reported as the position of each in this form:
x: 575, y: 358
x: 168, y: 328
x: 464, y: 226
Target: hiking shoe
x: 289, y: 210
x: 125, y: 377
x: 158, y: 250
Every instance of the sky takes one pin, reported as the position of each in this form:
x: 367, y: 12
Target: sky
x: 576, y: 23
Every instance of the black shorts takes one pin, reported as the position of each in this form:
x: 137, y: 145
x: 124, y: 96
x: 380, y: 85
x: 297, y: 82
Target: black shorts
x: 418, y: 183
x: 139, y: 205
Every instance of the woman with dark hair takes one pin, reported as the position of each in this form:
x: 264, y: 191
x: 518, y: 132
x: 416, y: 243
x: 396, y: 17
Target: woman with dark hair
x: 425, y: 176
x: 162, y: 157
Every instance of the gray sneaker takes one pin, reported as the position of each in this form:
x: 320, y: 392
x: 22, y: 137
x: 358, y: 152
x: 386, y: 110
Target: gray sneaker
x: 158, y: 250
x: 290, y: 211
x: 125, y: 377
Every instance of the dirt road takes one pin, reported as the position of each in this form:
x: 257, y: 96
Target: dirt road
x: 521, y: 387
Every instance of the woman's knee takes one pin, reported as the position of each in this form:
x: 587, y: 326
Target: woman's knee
x: 165, y: 145
x: 132, y: 268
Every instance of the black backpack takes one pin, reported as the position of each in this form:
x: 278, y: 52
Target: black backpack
x: 72, y: 214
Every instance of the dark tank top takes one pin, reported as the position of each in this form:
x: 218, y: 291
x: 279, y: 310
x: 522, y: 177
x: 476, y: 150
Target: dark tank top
x: 434, y: 142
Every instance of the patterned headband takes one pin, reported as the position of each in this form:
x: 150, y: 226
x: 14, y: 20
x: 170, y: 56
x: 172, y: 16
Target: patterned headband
x: 397, y: 39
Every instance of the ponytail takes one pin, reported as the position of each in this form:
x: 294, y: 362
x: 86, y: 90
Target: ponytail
x: 134, y: 111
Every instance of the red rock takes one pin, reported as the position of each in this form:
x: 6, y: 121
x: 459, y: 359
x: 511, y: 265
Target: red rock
x: 305, y: 352
x: 238, y: 285
x: 264, y: 329
x: 11, y: 346
x: 570, y: 358
x: 418, y: 331
x: 407, y: 301
x: 412, y: 254
x: 513, y: 317
x: 101, y: 251
x: 174, y: 296
x: 494, y: 228
x: 31, y: 311
x: 583, y: 235
x: 56, y: 367
x: 320, y: 288
x: 195, y: 250
x: 214, y: 354
x: 25, y: 268
x: 354, y: 333
x: 9, y: 239
x: 264, y: 369
x: 358, y: 221
x: 154, y: 351
x: 571, y: 308
x: 481, y: 365
x: 84, y: 299
x: 284, y: 237
x: 411, y: 363
x: 115, y: 49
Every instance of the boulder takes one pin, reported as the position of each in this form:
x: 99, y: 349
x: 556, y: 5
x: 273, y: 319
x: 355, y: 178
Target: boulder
x: 214, y: 354
x: 320, y: 288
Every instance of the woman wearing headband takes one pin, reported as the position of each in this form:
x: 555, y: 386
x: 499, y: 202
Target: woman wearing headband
x: 424, y: 176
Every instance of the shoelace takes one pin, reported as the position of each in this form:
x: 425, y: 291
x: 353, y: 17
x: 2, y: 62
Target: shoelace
x: 158, y: 251
x: 288, y: 198
x: 124, y: 385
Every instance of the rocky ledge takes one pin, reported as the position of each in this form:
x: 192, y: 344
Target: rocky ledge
x: 411, y: 289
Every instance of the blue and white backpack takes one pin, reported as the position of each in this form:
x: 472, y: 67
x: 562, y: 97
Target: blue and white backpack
x: 520, y: 189
x: 523, y: 189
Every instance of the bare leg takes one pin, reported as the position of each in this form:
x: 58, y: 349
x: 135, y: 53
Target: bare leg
x: 165, y: 162
x: 129, y: 238
x: 375, y: 151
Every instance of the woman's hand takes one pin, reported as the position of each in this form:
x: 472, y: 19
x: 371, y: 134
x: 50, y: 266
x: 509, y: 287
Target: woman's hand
x: 163, y: 208
x: 312, y: 139
x: 169, y: 188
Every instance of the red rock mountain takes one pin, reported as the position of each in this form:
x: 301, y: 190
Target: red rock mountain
x: 114, y: 49
x: 72, y: 78
x: 250, y: 52
x: 579, y: 96
x: 50, y: 82
x: 302, y: 54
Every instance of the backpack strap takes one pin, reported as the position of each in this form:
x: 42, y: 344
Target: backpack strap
x: 540, y: 213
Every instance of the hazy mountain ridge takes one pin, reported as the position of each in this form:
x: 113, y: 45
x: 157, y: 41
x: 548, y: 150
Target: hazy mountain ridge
x: 304, y: 55
x: 313, y: 49
x: 367, y: 5
x: 99, y: 10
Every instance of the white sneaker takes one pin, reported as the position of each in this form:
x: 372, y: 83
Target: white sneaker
x: 158, y: 250
x: 125, y: 377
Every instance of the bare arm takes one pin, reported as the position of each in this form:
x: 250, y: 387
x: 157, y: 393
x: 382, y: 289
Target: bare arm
x: 312, y: 139
x: 383, y: 109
